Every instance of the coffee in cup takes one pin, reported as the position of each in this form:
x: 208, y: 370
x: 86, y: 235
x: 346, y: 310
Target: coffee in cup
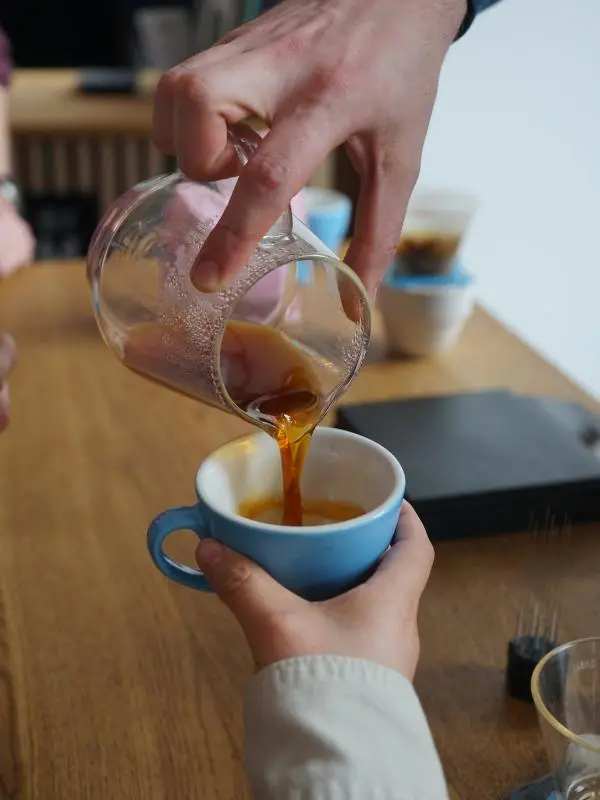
x: 344, y: 475
x: 271, y: 509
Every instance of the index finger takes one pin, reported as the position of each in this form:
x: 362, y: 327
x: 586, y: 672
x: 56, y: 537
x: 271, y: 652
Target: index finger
x: 282, y: 165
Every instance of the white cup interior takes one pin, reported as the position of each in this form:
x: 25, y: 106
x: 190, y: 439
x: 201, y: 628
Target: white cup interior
x: 340, y: 466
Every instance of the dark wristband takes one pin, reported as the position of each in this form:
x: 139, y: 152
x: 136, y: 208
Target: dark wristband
x: 467, y: 20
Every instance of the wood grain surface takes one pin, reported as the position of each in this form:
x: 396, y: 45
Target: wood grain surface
x: 118, y: 685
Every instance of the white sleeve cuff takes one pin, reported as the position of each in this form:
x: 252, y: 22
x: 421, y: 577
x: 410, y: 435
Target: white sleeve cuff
x: 329, y: 727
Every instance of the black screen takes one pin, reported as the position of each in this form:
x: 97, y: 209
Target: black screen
x: 73, y: 33
x: 68, y: 33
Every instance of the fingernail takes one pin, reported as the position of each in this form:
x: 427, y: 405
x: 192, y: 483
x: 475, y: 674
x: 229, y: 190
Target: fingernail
x: 206, y: 276
x: 209, y: 552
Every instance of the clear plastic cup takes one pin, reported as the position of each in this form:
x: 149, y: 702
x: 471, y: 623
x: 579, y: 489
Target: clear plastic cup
x: 434, y: 227
x: 566, y: 691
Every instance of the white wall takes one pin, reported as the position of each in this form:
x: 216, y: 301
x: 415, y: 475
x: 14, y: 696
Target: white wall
x: 518, y: 121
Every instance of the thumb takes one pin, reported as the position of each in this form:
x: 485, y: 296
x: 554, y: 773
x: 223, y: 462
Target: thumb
x: 246, y: 589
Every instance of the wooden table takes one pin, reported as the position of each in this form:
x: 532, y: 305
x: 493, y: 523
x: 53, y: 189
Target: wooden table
x: 118, y: 685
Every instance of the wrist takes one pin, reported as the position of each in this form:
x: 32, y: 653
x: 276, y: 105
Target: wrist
x: 438, y: 23
x: 446, y: 18
x: 454, y: 16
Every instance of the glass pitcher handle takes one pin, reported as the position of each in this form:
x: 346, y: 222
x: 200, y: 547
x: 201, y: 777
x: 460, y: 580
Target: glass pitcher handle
x: 245, y: 142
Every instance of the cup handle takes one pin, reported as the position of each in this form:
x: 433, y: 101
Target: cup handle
x: 161, y: 527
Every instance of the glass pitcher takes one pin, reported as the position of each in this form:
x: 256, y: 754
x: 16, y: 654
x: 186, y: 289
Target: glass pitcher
x: 214, y: 346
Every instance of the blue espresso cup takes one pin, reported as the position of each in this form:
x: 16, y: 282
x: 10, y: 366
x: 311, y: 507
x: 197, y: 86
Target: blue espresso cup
x: 317, y: 561
x: 328, y: 214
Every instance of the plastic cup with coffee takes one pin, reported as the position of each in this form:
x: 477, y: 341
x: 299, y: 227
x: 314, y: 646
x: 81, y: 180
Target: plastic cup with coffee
x: 435, y: 224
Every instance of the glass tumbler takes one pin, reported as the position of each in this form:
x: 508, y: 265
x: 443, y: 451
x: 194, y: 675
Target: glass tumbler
x: 566, y: 690
x: 160, y: 325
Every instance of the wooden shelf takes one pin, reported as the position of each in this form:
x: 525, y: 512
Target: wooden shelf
x: 48, y: 103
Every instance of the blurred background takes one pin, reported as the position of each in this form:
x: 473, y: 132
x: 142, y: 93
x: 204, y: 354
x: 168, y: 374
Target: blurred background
x: 517, y: 123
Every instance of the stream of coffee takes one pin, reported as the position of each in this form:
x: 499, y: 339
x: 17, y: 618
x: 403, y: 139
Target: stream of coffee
x: 266, y: 374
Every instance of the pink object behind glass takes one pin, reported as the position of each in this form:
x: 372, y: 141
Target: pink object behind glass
x: 267, y: 293
x: 263, y: 299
